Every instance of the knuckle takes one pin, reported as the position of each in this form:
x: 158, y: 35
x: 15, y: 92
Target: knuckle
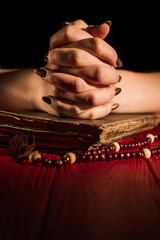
x: 98, y: 74
x: 91, y: 99
x: 95, y: 45
x: 74, y: 110
x: 92, y: 115
x: 78, y: 85
x: 67, y: 32
x: 75, y: 57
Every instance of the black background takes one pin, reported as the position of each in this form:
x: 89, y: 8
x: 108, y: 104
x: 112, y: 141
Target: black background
x: 27, y: 27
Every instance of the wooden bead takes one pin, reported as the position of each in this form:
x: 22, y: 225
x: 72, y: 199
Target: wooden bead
x: 151, y: 137
x: 70, y: 156
x: 117, y: 146
x: 147, y: 153
x: 33, y: 156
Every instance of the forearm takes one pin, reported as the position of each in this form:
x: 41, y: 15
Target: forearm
x: 17, y: 90
x: 140, y: 92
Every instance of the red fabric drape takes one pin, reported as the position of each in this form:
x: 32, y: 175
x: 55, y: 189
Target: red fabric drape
x: 94, y: 201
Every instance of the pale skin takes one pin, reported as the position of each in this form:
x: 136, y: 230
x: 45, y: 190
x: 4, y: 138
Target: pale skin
x: 81, y: 79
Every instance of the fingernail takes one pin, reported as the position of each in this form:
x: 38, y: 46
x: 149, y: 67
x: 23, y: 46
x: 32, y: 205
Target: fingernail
x: 41, y: 72
x: 109, y: 22
x: 115, y: 106
x: 120, y: 78
x: 117, y: 91
x: 46, y: 57
x: 46, y: 100
x: 67, y: 24
x: 119, y: 62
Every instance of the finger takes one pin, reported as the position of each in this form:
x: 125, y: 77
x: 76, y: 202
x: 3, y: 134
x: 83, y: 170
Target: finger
x: 72, y: 57
x: 98, y: 48
x: 98, y: 75
x: 66, y: 108
x: 79, y: 23
x: 100, y: 31
x: 67, y: 82
x: 93, y: 97
x: 67, y: 34
x: 103, y: 75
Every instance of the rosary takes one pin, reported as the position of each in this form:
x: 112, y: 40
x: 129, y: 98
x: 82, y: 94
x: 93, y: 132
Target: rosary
x: 139, y: 149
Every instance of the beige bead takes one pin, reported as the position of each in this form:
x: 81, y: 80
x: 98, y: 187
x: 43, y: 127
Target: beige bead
x: 70, y: 156
x: 34, y: 156
x: 151, y: 137
x: 147, y: 153
x: 117, y: 146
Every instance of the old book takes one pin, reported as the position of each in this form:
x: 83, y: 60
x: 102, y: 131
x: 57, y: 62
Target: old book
x: 55, y: 134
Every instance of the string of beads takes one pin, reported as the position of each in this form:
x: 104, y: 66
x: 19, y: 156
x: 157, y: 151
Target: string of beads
x: 115, y: 151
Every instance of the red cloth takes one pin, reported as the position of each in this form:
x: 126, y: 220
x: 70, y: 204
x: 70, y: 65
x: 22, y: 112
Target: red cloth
x: 94, y: 201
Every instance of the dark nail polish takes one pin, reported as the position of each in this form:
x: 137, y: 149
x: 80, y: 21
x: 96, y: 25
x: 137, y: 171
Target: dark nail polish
x: 109, y: 22
x: 46, y: 100
x: 67, y: 24
x: 117, y: 91
x: 41, y: 72
x: 46, y: 57
x: 115, y: 106
x: 119, y: 62
x: 120, y: 78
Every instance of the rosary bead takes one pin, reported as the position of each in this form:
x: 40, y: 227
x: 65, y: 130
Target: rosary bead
x: 133, y: 154
x: 116, y: 146
x: 139, y: 145
x: 132, y: 145
x: 34, y: 157
x: 95, y: 157
x: 70, y: 157
x: 89, y: 158
x: 99, y: 151
x: 115, y: 156
x: 82, y: 157
x: 109, y: 157
x: 44, y: 160
x: 128, y: 155
x: 57, y: 162
x: 94, y: 152
x: 147, y: 153
x: 151, y: 137
x: 121, y: 146
x: 102, y: 157
x: 121, y: 156
x: 103, y: 150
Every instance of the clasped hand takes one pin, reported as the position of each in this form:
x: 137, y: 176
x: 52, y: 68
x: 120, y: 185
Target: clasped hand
x: 81, y: 72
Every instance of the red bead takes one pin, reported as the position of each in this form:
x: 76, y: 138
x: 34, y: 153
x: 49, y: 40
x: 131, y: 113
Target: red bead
x: 103, y: 150
x: 112, y: 148
x: 121, y: 146
x: 133, y: 145
x: 129, y: 146
x: 133, y: 154
x: 121, y: 156
x: 110, y: 157
x: 115, y: 156
x: 89, y: 158
x: 139, y: 144
x: 94, y: 151
x: 125, y: 146
x: 102, y: 157
x: 128, y: 155
x: 82, y: 157
x: 95, y: 157
x: 99, y: 151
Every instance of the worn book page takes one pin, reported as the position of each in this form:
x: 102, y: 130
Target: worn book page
x: 79, y: 134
